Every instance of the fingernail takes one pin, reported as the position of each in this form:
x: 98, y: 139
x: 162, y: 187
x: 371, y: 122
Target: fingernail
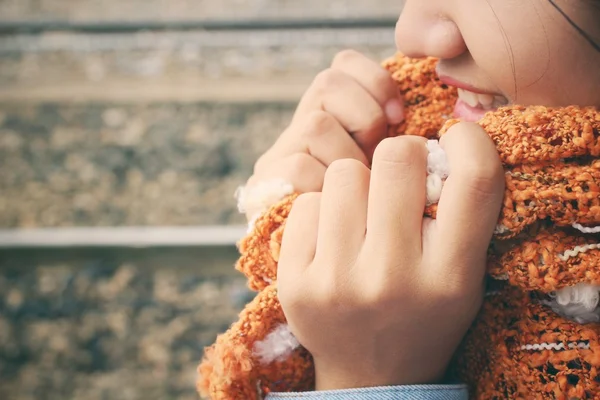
x: 394, y: 111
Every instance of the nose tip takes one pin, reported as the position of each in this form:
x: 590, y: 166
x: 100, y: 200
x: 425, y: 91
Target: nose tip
x: 446, y: 41
x: 406, y: 41
x: 419, y: 36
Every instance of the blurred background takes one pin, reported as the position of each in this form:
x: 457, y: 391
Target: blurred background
x: 125, y: 128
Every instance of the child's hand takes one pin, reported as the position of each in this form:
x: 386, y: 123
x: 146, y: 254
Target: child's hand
x: 376, y: 293
x: 345, y: 113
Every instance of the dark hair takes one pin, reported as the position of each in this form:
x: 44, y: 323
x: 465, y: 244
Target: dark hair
x: 583, y: 33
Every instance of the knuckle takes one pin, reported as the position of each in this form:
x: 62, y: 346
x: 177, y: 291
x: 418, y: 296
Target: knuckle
x: 382, y: 78
x: 303, y: 204
x: 345, y: 56
x: 380, y: 296
x: 465, y: 128
x: 374, y: 298
x: 299, y: 163
x: 327, y: 79
x: 404, y: 151
x: 307, y: 200
x: 454, y: 293
x: 344, y: 172
x: 261, y: 164
x: 252, y: 181
x: 274, y: 154
x: 318, y: 123
x: 344, y: 168
x: 375, y: 121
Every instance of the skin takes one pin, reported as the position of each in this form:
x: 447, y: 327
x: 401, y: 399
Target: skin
x: 374, y: 301
x: 550, y: 58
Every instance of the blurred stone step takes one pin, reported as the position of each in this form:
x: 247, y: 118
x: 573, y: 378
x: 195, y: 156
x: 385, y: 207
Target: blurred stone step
x: 122, y: 237
x: 173, y: 10
x: 111, y: 164
x: 149, y: 129
x: 185, y: 66
x: 104, y: 323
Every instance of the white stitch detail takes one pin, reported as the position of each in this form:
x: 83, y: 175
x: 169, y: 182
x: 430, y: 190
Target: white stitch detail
x: 502, y: 277
x: 492, y: 293
x: 587, y: 229
x: 578, y: 250
x: 556, y: 346
x: 259, y: 391
x: 500, y: 229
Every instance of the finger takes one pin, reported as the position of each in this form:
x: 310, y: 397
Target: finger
x: 299, y: 238
x: 328, y: 141
x: 349, y: 103
x: 470, y: 202
x: 397, y: 197
x: 343, y: 212
x: 322, y: 137
x: 374, y: 79
x: 302, y: 171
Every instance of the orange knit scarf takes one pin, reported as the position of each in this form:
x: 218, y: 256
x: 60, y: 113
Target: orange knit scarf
x: 520, y: 346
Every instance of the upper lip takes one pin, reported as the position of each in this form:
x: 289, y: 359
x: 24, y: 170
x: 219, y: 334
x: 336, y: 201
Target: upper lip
x: 462, y: 85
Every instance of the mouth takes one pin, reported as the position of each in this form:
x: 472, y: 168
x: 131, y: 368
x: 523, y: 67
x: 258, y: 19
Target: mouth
x: 473, y: 103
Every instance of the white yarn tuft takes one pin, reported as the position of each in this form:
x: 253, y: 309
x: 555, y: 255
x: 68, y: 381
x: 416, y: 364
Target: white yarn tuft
x: 587, y: 229
x: 277, y: 346
x: 556, y: 346
x: 438, y: 170
x: 257, y: 199
x: 578, y: 303
x: 434, y: 188
x: 437, y: 161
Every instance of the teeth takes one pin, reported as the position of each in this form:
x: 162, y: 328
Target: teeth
x: 500, y: 101
x: 468, y: 97
x: 484, y: 101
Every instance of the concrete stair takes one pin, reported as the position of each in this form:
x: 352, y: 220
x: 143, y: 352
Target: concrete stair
x: 149, y: 129
x: 173, y: 10
x: 138, y: 132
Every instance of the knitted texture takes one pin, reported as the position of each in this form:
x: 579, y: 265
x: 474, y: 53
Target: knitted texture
x: 518, y: 347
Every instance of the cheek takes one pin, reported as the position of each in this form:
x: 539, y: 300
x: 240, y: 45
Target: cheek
x: 509, y: 43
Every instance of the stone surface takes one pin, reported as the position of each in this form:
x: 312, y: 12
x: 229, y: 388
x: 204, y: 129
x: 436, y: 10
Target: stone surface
x: 139, y: 129
x: 111, y: 165
x: 112, y: 325
x: 103, y: 10
x: 148, y: 129
x: 177, y: 60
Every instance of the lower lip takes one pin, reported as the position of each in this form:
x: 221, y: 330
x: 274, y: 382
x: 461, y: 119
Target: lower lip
x: 466, y: 113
